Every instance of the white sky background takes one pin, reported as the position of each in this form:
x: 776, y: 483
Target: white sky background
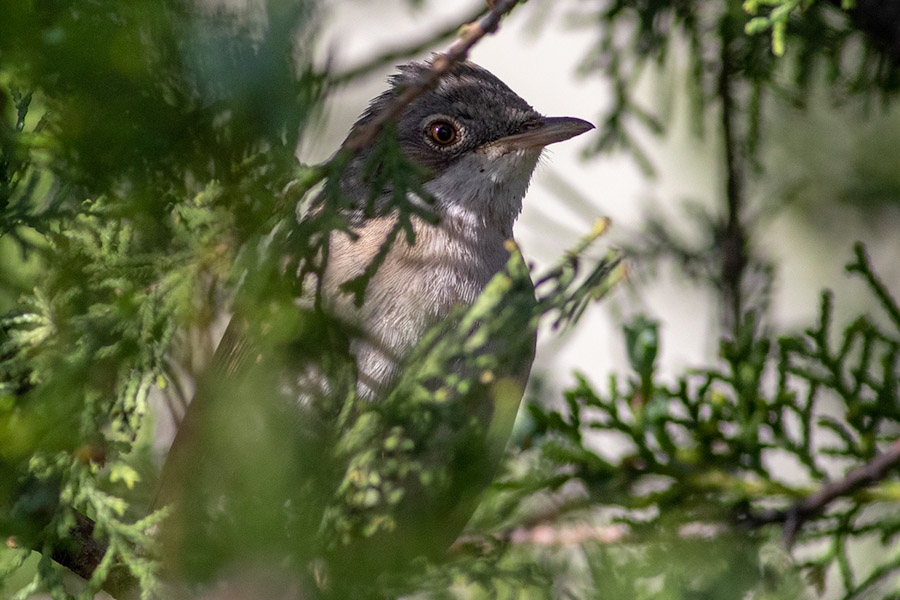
x: 536, y: 52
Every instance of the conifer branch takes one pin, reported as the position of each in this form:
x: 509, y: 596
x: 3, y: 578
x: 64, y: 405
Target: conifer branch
x: 814, y: 505
x: 407, y: 50
x: 734, y: 238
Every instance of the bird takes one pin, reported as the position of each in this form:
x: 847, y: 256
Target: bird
x: 479, y: 143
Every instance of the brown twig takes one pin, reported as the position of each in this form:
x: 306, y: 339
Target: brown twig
x: 543, y: 528
x: 440, y: 66
x: 407, y: 50
x: 796, y: 515
x: 544, y: 535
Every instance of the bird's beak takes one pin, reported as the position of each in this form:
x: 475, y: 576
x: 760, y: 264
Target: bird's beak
x: 548, y: 131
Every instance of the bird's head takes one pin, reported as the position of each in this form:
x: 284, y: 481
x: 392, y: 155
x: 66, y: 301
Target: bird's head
x: 478, y: 139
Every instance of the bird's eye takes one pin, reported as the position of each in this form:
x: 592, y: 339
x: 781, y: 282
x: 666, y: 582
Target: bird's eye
x: 442, y: 132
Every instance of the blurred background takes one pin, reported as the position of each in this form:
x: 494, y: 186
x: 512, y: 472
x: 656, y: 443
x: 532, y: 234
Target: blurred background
x: 827, y: 173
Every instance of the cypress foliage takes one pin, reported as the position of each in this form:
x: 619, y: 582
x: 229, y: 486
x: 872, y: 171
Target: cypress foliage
x: 148, y: 185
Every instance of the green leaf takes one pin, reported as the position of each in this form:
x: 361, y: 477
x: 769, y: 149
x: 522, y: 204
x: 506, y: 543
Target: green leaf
x: 124, y: 473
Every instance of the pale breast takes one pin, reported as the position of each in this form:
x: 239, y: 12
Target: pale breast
x: 417, y: 285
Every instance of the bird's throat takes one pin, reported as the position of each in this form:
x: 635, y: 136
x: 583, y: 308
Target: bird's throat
x: 481, y: 194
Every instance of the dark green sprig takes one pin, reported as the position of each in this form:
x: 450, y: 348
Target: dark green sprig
x: 714, y: 432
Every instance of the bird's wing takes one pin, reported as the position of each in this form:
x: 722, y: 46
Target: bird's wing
x: 268, y: 365
x: 455, y: 402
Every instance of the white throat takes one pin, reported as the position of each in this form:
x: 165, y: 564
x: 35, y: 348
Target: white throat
x: 482, y: 192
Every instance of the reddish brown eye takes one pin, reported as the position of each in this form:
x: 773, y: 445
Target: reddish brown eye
x: 442, y: 132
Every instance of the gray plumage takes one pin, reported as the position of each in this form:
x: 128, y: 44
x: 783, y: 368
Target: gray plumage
x: 477, y: 186
x: 480, y: 143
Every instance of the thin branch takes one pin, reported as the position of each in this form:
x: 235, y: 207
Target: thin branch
x: 543, y: 528
x: 542, y: 535
x: 82, y: 552
x: 878, y: 287
x: 814, y: 505
x: 85, y: 553
x: 407, y: 50
x: 733, y: 244
x: 440, y: 66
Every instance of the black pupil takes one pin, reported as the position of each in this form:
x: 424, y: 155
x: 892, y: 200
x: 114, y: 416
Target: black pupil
x: 443, y: 132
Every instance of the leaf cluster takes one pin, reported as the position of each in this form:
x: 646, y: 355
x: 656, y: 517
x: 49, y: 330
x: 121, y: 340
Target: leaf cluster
x: 712, y: 447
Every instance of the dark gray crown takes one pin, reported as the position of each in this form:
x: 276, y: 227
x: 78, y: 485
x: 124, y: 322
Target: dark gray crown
x: 472, y: 97
x: 483, y: 105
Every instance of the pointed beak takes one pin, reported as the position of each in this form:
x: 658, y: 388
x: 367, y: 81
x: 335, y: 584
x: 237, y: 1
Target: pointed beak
x: 548, y: 130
